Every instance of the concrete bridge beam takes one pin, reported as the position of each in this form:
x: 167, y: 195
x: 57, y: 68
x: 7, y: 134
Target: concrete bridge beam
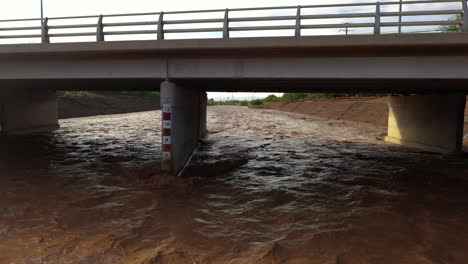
x: 27, y: 111
x: 427, y: 122
x: 183, y: 124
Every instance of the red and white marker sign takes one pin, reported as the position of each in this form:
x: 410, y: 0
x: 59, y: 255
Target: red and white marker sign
x: 166, y: 135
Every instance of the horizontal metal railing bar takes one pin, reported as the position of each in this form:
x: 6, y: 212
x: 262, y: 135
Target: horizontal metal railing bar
x: 125, y: 24
x: 194, y: 30
x: 20, y: 28
x: 72, y: 26
x: 142, y: 32
x: 72, y: 17
x: 326, y: 16
x: 355, y: 15
x: 253, y: 19
x: 420, y: 23
x: 81, y: 34
x: 135, y: 14
x: 422, y: 13
x: 20, y: 36
x: 421, y: 2
x: 20, y: 20
x: 195, y: 11
x: 303, y: 6
x: 194, y: 21
x: 262, y: 28
x: 350, y: 25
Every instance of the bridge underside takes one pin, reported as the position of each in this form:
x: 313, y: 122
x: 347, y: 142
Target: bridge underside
x: 429, y: 70
x: 280, y: 85
x: 428, y: 114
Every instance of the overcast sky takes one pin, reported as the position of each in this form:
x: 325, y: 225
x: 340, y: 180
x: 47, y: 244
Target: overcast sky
x: 15, y: 9
x: 30, y: 8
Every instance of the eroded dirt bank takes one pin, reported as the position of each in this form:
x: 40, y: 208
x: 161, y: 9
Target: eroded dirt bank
x: 266, y: 187
x: 367, y: 110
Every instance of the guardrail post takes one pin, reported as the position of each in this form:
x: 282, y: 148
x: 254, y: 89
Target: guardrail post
x: 400, y: 10
x: 45, y: 31
x: 377, y: 19
x: 100, y: 29
x: 464, y: 27
x: 226, y: 24
x: 161, y: 26
x: 298, y: 22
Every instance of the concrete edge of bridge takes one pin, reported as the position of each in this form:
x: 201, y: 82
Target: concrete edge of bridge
x: 432, y: 122
x: 30, y: 131
x: 26, y: 110
x: 257, y: 44
x: 421, y: 146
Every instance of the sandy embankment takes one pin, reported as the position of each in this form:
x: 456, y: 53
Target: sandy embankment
x: 371, y: 110
x: 81, y: 106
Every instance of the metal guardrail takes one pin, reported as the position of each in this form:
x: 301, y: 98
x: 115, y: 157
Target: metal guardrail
x: 44, y: 29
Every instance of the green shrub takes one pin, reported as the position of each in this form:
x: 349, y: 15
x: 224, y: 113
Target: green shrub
x: 452, y: 28
x: 293, y: 96
x: 76, y: 94
x: 271, y: 98
x: 256, y: 102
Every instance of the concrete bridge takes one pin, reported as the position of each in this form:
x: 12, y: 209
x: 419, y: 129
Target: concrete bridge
x: 426, y: 72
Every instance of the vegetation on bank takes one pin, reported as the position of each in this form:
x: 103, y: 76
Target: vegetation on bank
x: 287, y: 97
x: 257, y: 103
x: 107, y: 93
x: 452, y: 28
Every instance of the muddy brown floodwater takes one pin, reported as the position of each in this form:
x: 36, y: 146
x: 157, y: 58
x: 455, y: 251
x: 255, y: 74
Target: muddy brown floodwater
x: 265, y: 187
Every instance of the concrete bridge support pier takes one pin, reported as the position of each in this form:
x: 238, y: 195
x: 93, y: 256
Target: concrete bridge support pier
x: 183, y: 125
x: 427, y: 122
x: 27, y: 111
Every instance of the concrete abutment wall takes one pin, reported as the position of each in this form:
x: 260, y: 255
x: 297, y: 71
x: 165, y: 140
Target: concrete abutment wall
x: 183, y: 124
x: 27, y: 111
x: 427, y: 122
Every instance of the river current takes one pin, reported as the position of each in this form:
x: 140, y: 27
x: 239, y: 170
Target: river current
x: 265, y: 187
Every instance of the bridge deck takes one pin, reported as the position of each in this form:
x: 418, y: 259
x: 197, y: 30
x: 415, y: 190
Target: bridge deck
x: 351, y: 45
x: 374, y: 63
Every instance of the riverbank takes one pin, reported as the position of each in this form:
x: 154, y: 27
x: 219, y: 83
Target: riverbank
x: 83, y: 106
x: 372, y: 111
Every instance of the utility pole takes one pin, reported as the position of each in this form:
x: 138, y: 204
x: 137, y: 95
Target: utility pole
x: 346, y: 30
x: 42, y: 12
